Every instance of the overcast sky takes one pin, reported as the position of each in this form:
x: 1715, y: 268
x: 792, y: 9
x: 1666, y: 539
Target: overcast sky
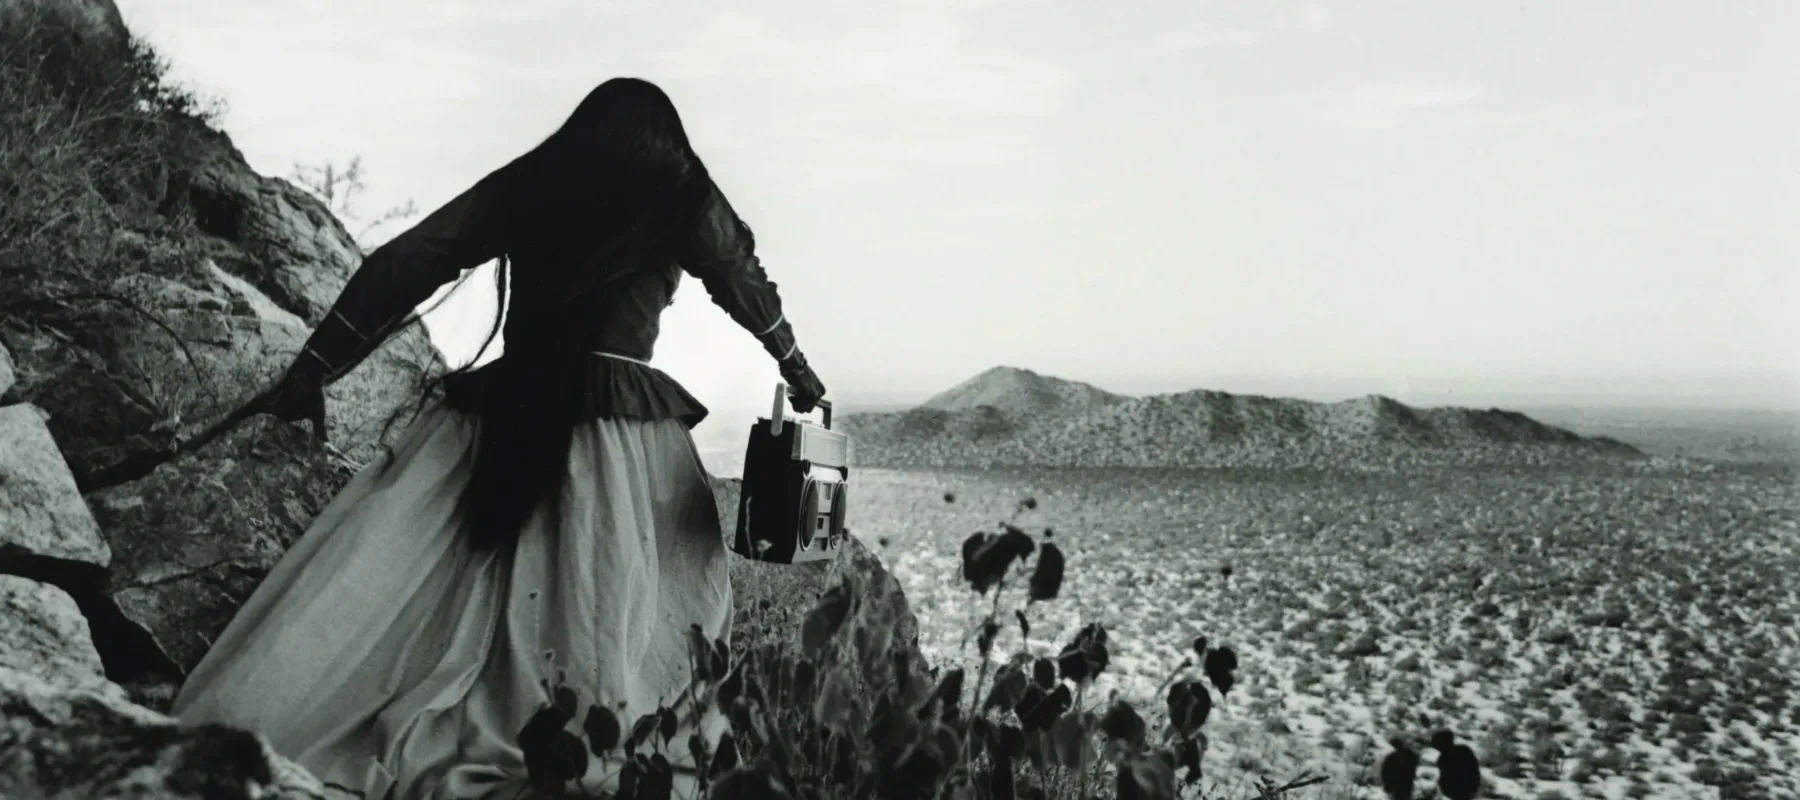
x: 1480, y: 201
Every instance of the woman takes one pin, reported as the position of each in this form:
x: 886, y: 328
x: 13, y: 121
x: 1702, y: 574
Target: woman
x: 549, y: 516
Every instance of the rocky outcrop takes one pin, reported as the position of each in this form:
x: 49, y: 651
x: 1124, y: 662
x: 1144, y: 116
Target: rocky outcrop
x: 42, y: 516
x: 8, y: 376
x: 214, y: 278
x: 58, y: 743
x: 47, y: 636
x: 136, y: 363
x: 66, y: 729
x: 93, y: 22
x: 772, y: 599
x: 48, y: 536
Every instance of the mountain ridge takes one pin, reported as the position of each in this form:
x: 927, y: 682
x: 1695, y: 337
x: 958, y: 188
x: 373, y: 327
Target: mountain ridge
x: 1014, y: 417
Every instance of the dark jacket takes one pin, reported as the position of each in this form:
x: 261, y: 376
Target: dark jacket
x: 622, y: 320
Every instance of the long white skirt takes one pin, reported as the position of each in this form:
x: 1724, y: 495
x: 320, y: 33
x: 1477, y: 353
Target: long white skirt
x: 391, y: 660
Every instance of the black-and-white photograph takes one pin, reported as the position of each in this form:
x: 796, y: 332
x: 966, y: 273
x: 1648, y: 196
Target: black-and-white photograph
x: 899, y: 400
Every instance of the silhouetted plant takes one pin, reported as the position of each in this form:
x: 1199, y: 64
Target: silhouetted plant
x: 1400, y: 771
x: 1459, y: 772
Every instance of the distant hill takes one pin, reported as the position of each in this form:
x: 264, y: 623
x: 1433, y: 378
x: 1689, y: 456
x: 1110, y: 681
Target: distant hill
x: 1015, y: 391
x: 1014, y: 417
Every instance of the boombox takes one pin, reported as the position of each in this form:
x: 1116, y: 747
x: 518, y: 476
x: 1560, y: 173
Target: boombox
x: 792, y: 505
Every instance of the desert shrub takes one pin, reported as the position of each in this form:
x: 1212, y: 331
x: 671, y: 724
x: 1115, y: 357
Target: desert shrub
x: 1690, y: 724
x: 1585, y: 770
x: 1558, y: 637
x: 1302, y: 630
x: 339, y: 186
x: 1500, y: 754
x: 847, y: 713
x: 1492, y: 657
x: 1548, y: 757
x: 1367, y: 644
x: 86, y: 131
x: 1732, y: 780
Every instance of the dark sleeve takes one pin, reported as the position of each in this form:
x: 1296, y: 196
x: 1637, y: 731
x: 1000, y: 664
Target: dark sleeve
x: 403, y: 273
x: 722, y: 254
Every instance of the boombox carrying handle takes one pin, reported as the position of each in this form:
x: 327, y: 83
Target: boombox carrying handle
x: 779, y: 414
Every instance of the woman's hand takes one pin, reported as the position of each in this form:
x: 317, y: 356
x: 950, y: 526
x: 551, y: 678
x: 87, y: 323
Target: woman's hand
x: 300, y: 395
x: 808, y: 390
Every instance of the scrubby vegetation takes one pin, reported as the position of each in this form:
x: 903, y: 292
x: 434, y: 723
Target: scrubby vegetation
x: 1618, y: 632
x: 86, y: 135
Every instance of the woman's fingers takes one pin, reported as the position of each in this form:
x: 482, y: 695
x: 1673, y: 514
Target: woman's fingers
x: 289, y: 404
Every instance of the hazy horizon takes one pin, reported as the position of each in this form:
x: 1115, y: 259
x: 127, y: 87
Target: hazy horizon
x: 1470, y: 392
x: 1522, y: 204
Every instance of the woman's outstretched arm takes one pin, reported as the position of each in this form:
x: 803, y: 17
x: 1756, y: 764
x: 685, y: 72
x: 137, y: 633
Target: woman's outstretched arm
x: 722, y: 254
x: 403, y: 273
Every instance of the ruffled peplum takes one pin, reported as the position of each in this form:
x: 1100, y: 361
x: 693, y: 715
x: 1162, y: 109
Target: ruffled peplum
x: 606, y: 388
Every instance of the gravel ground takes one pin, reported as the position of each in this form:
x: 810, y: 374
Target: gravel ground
x: 1594, y: 630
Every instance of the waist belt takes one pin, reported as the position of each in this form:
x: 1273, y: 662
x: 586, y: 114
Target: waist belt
x: 604, y: 354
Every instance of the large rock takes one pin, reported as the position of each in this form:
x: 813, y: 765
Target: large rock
x: 772, y: 599
x: 59, y: 744
x: 93, y: 21
x: 132, y: 365
x: 43, y: 632
x: 7, y: 374
x: 195, y: 537
x: 285, y: 242
x: 48, y: 537
x: 190, y: 539
x: 41, y: 513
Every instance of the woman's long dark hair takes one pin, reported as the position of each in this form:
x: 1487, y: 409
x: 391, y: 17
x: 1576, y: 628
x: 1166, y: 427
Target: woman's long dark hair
x: 610, y: 193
